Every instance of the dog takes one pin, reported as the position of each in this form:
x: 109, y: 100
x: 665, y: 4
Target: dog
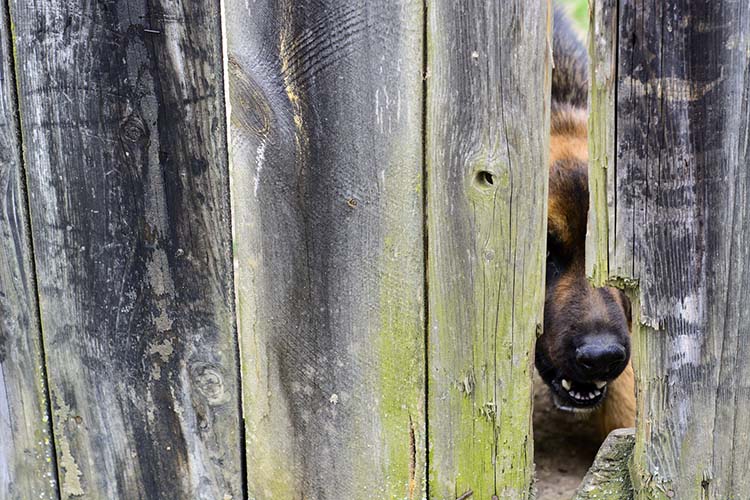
x: 583, y: 354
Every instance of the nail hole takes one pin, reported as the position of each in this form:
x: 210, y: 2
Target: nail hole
x: 485, y: 178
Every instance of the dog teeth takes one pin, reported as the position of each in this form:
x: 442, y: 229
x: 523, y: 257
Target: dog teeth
x: 566, y: 384
x: 600, y: 384
x: 597, y: 392
x: 591, y: 395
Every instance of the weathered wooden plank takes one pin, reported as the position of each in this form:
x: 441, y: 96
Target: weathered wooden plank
x: 326, y: 170
x: 682, y: 230
x: 486, y: 142
x: 122, y: 114
x: 602, y: 42
x: 27, y: 462
x: 609, y: 476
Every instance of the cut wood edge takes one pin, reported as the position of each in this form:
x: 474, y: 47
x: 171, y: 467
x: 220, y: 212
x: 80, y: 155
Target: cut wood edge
x: 609, y: 475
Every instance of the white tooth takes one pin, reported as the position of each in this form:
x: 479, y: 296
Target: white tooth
x: 566, y: 384
x: 599, y: 384
x: 591, y: 395
x: 578, y: 395
x: 598, y: 392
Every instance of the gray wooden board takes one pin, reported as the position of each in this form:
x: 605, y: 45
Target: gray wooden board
x: 27, y: 463
x: 609, y: 475
x: 488, y: 78
x: 682, y: 230
x: 326, y: 173
x: 122, y: 116
x: 602, y: 45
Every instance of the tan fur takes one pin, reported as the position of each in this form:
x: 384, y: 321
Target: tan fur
x: 618, y: 408
x: 568, y: 134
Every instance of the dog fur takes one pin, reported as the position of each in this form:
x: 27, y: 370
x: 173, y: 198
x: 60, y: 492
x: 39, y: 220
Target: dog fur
x: 573, y: 308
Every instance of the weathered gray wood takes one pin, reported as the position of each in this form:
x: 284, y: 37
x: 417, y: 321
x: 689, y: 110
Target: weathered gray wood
x: 325, y: 151
x: 27, y: 462
x: 122, y: 115
x: 602, y: 42
x: 486, y: 141
x: 682, y: 230
x: 609, y: 476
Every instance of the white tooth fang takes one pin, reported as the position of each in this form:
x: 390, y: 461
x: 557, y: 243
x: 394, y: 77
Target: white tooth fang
x: 577, y: 395
x: 598, y: 392
x: 600, y: 384
x: 591, y: 395
x: 566, y: 384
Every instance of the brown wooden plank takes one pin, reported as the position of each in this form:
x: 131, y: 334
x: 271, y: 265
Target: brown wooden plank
x: 326, y: 169
x: 122, y: 113
x: 682, y: 232
x: 27, y: 462
x: 487, y: 139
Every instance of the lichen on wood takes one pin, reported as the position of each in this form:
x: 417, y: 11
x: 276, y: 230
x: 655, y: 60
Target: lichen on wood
x: 677, y: 221
x: 486, y: 166
x: 326, y: 182
x: 609, y: 475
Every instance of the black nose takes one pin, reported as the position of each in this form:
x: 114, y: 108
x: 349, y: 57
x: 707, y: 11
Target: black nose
x: 601, y: 358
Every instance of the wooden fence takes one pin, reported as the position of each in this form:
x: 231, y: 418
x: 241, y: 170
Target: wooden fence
x: 294, y: 249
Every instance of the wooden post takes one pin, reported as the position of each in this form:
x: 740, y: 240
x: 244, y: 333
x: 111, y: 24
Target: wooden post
x: 122, y: 118
x: 27, y: 462
x: 609, y: 475
x: 602, y: 42
x: 486, y: 140
x: 326, y: 172
x: 681, y: 230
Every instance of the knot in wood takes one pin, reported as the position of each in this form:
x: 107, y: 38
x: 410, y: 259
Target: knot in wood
x: 209, y: 382
x: 132, y: 129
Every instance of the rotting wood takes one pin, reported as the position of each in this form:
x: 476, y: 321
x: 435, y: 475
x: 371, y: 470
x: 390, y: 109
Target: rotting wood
x: 681, y: 231
x: 486, y: 142
x: 326, y: 173
x: 27, y: 463
x: 122, y: 114
x: 609, y: 475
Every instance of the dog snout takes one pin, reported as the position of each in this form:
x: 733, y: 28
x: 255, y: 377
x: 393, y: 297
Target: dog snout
x: 601, y: 357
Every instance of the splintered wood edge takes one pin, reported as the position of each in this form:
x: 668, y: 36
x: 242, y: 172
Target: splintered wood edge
x: 609, y: 475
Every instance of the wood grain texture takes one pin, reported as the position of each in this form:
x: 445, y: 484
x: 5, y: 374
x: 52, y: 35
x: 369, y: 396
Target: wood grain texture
x: 602, y: 44
x: 609, y: 476
x: 122, y: 114
x: 27, y: 462
x: 682, y: 232
x: 326, y: 171
x: 486, y: 142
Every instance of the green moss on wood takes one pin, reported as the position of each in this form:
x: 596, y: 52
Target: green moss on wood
x: 609, y: 476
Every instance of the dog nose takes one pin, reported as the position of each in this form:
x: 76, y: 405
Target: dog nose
x: 601, y: 358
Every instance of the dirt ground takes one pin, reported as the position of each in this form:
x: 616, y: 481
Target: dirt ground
x: 564, y: 447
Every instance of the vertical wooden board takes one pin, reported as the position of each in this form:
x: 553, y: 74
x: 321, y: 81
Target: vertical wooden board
x: 27, y: 462
x: 326, y: 171
x: 682, y: 230
x: 486, y: 139
x: 122, y: 117
x: 602, y: 41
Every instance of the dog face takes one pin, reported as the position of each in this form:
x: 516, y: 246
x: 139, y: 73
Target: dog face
x: 586, y: 339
